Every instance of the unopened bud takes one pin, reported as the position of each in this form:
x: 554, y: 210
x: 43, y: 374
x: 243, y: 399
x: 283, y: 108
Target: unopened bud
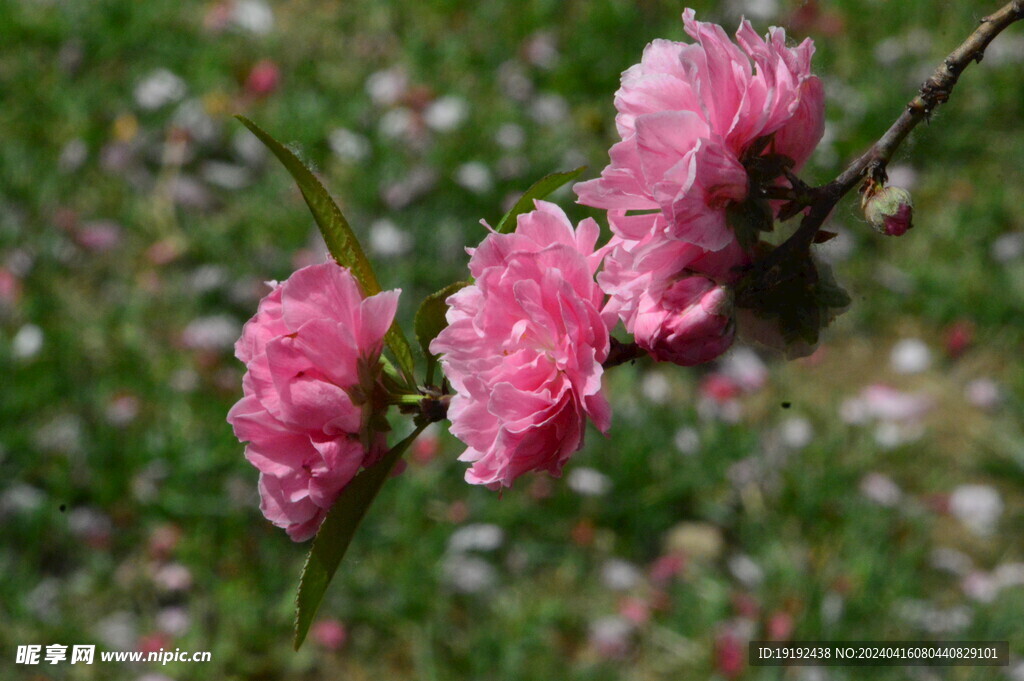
x: 889, y: 210
x: 692, y: 323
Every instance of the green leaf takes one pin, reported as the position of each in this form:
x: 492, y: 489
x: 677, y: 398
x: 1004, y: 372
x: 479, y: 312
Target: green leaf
x: 430, y: 321
x: 402, y: 351
x: 336, y: 534
x: 341, y: 240
x: 540, y: 189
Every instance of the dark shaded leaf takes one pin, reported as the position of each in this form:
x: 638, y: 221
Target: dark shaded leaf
x: 789, y: 209
x: 832, y: 295
x: 748, y: 219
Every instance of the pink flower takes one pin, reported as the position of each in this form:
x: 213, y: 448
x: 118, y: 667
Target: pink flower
x: 673, y: 162
x: 687, y: 115
x: 670, y: 294
x: 524, y: 347
x: 691, y: 324
x: 312, y: 360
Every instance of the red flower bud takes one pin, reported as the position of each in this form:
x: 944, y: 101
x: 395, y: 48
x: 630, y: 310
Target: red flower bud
x: 889, y: 210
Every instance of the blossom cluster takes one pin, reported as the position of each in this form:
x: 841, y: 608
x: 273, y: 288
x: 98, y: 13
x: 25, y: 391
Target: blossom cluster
x: 704, y: 127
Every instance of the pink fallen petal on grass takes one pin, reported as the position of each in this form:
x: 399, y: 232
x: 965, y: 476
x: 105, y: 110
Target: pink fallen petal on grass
x: 329, y: 634
x: 887, y: 403
x: 263, y: 79
x: 959, y: 337
x: 99, y: 236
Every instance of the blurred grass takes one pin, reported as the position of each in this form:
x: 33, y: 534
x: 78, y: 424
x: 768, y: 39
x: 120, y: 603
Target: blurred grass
x: 112, y: 325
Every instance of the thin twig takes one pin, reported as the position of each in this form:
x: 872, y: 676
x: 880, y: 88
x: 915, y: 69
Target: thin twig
x: 934, y: 91
x: 620, y: 353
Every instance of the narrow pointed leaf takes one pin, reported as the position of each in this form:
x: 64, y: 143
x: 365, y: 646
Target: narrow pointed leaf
x: 335, y: 535
x: 400, y: 348
x: 540, y: 189
x: 341, y: 240
x: 431, y: 320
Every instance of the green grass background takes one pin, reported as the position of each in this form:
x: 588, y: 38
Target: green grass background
x: 112, y: 325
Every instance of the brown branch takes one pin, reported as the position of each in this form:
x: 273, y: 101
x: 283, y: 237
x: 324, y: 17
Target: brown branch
x: 934, y: 91
x: 620, y: 353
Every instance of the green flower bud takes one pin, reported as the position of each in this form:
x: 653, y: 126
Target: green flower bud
x: 889, y: 210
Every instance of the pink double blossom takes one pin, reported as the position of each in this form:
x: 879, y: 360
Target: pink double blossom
x: 688, y: 113
x: 691, y: 324
x: 312, y: 361
x: 524, y: 347
x: 672, y: 296
x: 689, y: 116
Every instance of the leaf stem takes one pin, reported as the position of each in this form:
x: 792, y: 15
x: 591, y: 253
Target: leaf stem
x: 405, y: 399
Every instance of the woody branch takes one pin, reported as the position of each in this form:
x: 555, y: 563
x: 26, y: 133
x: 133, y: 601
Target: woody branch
x: 871, y: 164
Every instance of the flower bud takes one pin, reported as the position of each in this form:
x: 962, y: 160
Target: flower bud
x: 889, y: 210
x: 690, y: 324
